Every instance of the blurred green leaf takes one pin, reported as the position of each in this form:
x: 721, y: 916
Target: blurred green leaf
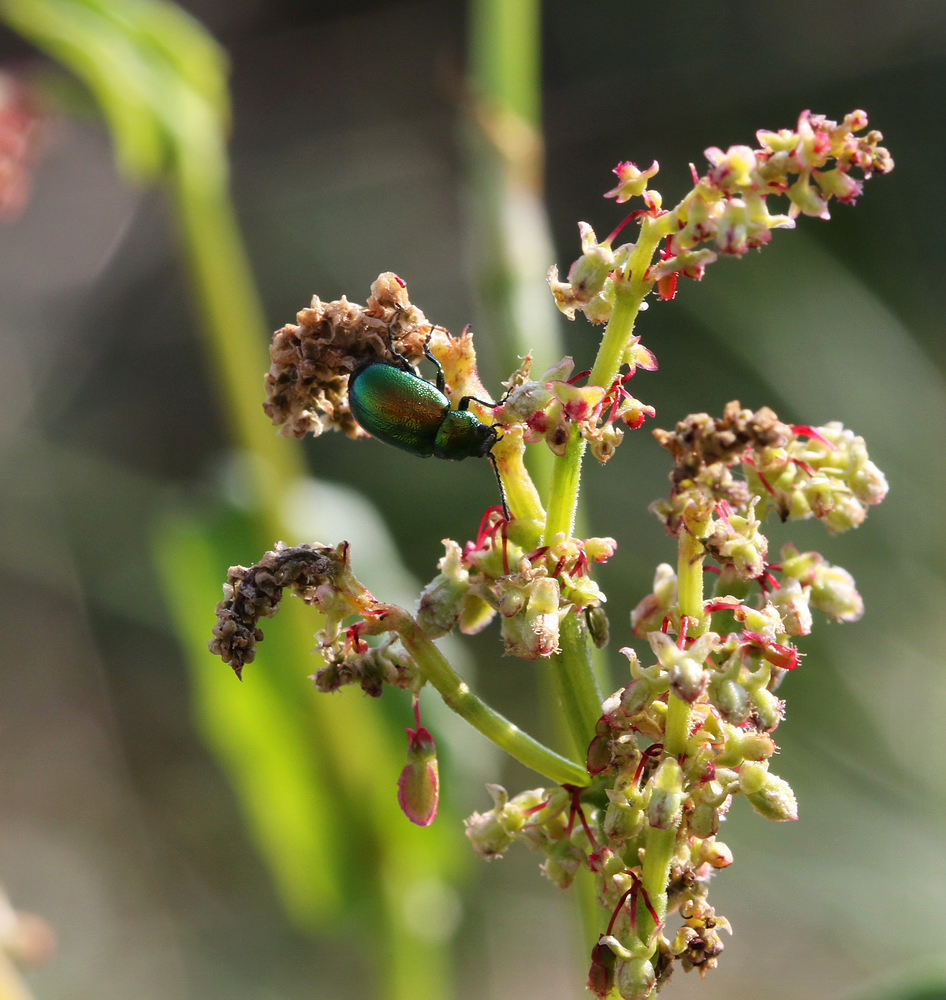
x: 156, y: 74
x: 260, y: 736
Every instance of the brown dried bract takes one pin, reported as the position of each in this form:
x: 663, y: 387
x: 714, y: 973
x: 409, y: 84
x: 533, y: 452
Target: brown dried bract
x: 255, y: 592
x: 307, y: 384
x: 701, y: 441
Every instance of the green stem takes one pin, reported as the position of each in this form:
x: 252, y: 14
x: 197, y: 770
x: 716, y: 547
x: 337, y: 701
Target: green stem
x: 563, y: 493
x: 660, y: 844
x: 578, y: 691
x: 690, y: 573
x: 457, y: 695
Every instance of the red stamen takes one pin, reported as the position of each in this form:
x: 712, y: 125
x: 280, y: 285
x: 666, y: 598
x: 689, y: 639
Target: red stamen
x: 804, y: 465
x: 624, y: 222
x: 652, y: 751
x: 811, y: 432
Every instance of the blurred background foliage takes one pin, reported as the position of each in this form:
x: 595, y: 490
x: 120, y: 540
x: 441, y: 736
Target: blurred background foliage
x: 356, y: 147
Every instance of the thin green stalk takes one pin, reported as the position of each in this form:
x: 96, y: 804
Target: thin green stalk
x: 563, y: 493
x: 690, y: 574
x: 578, y: 692
x: 660, y: 844
x: 457, y: 695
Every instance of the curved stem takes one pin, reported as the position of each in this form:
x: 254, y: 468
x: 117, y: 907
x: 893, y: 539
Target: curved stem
x: 457, y: 695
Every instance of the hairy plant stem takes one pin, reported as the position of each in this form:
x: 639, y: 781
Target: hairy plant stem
x: 457, y: 695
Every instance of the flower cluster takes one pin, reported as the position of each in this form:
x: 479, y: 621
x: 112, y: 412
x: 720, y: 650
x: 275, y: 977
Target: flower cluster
x: 549, y: 407
x: 797, y: 471
x: 20, y: 130
x: 530, y: 591
x: 726, y: 211
x: 692, y: 730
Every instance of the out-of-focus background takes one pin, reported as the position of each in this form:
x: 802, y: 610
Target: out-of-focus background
x: 354, y: 151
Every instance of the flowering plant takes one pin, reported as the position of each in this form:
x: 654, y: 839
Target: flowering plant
x: 659, y: 761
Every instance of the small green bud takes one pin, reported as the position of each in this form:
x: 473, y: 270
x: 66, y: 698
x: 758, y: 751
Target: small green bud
x: 634, y: 978
x: 534, y: 631
x: 665, y: 805
x: 768, y: 708
x: 636, y: 696
x: 752, y: 776
x: 688, y: 679
x: 623, y: 820
x: 745, y: 744
x: 562, y: 863
x: 834, y: 592
x: 438, y: 608
x: 597, y: 620
x: 730, y: 699
x: 774, y: 800
x: 588, y: 274
x: 715, y: 854
x: 704, y: 820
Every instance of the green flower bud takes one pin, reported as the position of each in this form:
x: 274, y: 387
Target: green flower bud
x: 634, y: 978
x: 715, y: 854
x: 704, y: 820
x: 623, y: 820
x: 562, y: 863
x: 533, y: 632
x: 730, y: 699
x: 833, y: 591
x: 752, y: 776
x: 688, y: 679
x: 774, y: 799
x: 588, y: 274
x: 636, y: 696
x: 438, y: 608
x: 767, y: 707
x: 665, y: 805
x: 745, y: 744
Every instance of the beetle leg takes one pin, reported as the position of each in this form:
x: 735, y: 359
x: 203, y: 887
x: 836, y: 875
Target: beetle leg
x: 502, y: 489
x: 405, y: 364
x: 441, y: 380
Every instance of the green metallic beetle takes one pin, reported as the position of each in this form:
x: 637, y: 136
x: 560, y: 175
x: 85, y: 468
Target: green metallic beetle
x: 395, y: 405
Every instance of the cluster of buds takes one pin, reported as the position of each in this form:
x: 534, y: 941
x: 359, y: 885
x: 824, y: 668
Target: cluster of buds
x: 635, y: 789
x: 531, y: 591
x: 797, y: 471
x: 726, y: 211
x: 549, y: 407
x: 726, y: 678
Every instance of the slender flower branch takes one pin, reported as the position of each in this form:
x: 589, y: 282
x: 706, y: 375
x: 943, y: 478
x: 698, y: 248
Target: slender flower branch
x: 458, y: 696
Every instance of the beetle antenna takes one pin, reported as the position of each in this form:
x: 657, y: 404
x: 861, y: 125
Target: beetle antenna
x: 502, y: 489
